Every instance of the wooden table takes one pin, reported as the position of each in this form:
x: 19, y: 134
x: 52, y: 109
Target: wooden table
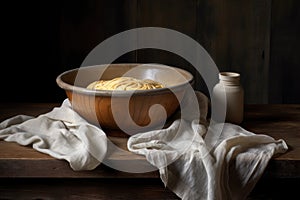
x: 26, y: 173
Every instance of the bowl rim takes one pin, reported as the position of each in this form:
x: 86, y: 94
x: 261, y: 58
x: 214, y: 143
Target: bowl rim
x: 82, y: 90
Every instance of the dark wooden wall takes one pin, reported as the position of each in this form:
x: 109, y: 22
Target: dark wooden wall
x: 258, y: 38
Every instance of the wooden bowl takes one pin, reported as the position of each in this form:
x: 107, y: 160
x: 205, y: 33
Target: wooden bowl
x: 129, y: 111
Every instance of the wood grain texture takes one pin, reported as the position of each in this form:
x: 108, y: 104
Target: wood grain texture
x: 179, y: 16
x: 82, y: 189
x: 277, y: 120
x: 281, y: 121
x: 106, y: 189
x: 25, y: 162
x: 237, y: 35
x: 284, y: 56
x: 258, y: 38
x: 84, y: 25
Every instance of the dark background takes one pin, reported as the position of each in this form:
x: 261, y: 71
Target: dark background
x: 257, y: 38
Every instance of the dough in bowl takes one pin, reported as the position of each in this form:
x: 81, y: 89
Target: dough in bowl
x: 125, y: 83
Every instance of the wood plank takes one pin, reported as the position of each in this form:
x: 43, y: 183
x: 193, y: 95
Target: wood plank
x: 237, y: 35
x: 279, y: 121
x: 122, y: 189
x: 24, y: 157
x: 84, y: 25
x: 179, y: 16
x: 32, y: 109
x: 92, y: 189
x: 284, y: 60
x: 24, y: 161
x: 52, y: 168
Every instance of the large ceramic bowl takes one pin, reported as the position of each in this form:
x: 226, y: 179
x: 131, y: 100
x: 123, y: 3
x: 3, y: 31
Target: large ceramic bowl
x: 128, y: 111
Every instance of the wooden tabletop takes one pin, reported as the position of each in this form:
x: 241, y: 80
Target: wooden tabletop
x: 279, y: 121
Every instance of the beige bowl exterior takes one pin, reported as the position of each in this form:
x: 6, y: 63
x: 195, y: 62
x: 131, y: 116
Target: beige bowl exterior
x: 125, y: 110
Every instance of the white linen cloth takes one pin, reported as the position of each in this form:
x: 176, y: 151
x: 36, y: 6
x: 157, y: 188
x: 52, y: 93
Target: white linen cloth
x: 211, y: 167
x: 60, y: 133
x: 221, y: 167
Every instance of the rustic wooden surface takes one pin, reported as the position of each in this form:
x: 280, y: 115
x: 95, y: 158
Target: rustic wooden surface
x: 281, y: 121
x: 278, y: 121
x: 84, y: 189
x: 28, y: 174
x: 123, y: 189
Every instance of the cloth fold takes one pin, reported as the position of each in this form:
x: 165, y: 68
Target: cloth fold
x: 60, y: 133
x: 197, y: 163
x: 193, y: 161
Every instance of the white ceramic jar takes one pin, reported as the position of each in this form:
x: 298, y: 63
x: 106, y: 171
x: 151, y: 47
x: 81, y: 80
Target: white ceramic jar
x: 228, y: 91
